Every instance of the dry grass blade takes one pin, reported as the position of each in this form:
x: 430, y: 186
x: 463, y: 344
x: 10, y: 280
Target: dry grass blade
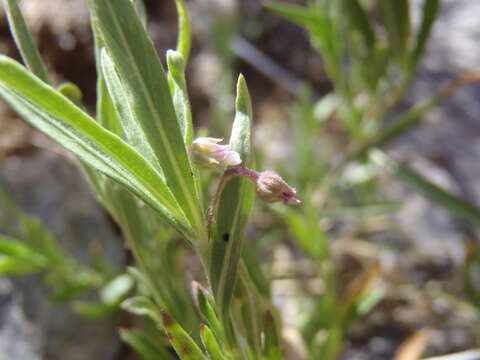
x: 414, y: 346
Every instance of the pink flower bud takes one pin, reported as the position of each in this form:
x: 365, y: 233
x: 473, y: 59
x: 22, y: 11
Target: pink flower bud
x: 272, y: 188
x: 207, y: 152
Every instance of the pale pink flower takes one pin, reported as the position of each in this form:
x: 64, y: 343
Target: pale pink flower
x: 207, y: 152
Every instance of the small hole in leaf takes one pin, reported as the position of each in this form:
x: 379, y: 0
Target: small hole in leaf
x: 226, y: 237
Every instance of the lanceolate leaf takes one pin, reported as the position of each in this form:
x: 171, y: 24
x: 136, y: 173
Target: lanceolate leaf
x: 211, y: 344
x: 122, y: 102
x: 251, y: 307
x: 178, y: 85
x: 430, y: 11
x: 178, y: 88
x: 272, y: 345
x: 106, y: 114
x: 183, y: 344
x: 24, y: 41
x: 300, y: 15
x: 396, y: 16
x: 148, y: 348
x: 139, y: 67
x: 59, y: 118
x: 184, y: 42
x: 360, y: 21
x: 17, y: 250
x: 141, y: 11
x: 234, y: 208
x: 10, y: 265
x: 206, y: 308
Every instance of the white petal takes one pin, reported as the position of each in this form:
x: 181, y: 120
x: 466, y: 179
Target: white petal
x: 206, y: 144
x: 232, y: 159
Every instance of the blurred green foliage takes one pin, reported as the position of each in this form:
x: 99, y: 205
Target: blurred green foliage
x: 135, y: 155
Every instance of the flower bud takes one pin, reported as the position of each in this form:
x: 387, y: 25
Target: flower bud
x: 272, y: 188
x: 206, y: 152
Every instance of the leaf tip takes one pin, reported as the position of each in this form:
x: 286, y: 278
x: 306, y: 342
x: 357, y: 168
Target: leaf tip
x: 175, y: 59
x: 241, y: 82
x: 243, y: 101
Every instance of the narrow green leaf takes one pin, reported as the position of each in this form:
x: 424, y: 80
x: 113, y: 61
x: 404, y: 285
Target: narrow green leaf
x: 240, y: 332
x: 141, y: 305
x: 178, y: 85
x: 429, y: 14
x: 13, y: 266
x: 23, y: 40
x: 360, y: 22
x: 396, y: 16
x: 235, y: 205
x: 403, y: 123
x: 122, y: 103
x: 93, y: 311
x: 34, y: 233
x: 138, y: 65
x: 256, y: 272
x: 297, y: 14
x: 471, y: 268
x: 18, y: 250
x: 453, y: 203
x: 143, y: 284
x: 272, y: 345
x: 207, y: 309
x: 407, y: 120
x: 69, y: 279
x: 141, y: 11
x: 107, y: 117
x: 106, y: 113
x: 59, y: 118
x: 320, y: 19
x: 184, y: 42
x: 328, y: 347
x: 178, y: 88
x: 184, y: 345
x: 252, y: 309
x: 116, y: 290
x: 305, y: 228
x: 210, y: 343
x: 148, y: 348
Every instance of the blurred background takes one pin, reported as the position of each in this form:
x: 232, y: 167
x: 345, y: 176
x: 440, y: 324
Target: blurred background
x: 425, y: 277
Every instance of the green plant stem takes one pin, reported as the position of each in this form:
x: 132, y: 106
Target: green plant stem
x: 227, y: 175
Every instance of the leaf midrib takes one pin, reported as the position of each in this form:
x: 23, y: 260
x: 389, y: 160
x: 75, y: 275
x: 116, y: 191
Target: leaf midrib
x: 179, y: 175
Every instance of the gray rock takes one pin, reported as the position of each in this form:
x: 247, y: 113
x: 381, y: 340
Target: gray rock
x: 44, y: 184
x: 19, y: 338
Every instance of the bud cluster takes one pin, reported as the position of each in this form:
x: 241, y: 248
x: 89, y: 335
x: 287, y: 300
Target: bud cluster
x: 270, y: 187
